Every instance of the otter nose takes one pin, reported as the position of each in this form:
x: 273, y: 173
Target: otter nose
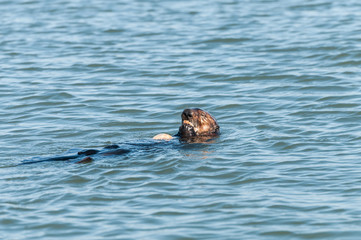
x: 188, y: 113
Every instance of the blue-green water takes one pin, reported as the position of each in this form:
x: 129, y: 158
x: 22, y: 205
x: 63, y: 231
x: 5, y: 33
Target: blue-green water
x: 281, y: 77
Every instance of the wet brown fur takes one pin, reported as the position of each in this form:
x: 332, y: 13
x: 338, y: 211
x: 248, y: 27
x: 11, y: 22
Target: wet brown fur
x: 198, y: 123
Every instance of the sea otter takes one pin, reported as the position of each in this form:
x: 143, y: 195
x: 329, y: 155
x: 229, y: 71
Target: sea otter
x: 198, y: 123
x: 198, y: 126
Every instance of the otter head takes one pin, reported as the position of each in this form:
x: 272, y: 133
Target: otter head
x: 198, y: 123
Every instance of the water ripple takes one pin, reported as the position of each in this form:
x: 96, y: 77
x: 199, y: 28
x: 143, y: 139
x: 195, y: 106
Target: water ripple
x: 282, y: 79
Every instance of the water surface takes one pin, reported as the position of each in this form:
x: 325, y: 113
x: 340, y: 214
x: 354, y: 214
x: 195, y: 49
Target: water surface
x: 281, y: 77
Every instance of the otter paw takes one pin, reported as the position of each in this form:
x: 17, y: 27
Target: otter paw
x: 85, y: 160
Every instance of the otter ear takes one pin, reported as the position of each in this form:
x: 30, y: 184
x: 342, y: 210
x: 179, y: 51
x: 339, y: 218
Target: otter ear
x: 217, y: 129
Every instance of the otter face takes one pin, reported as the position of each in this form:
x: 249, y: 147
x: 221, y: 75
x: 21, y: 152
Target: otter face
x: 197, y: 123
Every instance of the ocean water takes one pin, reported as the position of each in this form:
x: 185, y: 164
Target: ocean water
x: 281, y: 77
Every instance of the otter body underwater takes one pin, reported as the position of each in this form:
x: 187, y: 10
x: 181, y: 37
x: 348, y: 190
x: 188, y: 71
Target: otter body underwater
x: 198, y: 126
